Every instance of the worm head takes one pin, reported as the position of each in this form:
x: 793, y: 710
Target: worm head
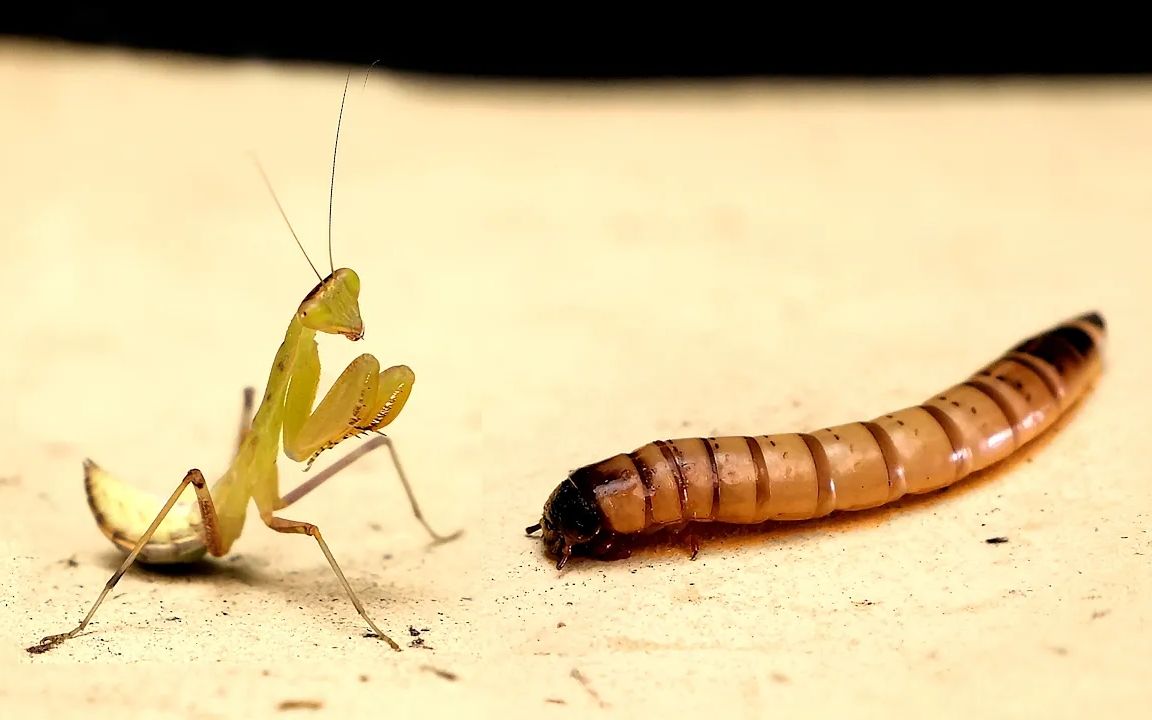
x: 570, y: 521
x: 124, y: 513
x: 333, y: 306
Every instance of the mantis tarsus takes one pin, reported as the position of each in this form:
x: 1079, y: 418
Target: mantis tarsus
x: 363, y: 400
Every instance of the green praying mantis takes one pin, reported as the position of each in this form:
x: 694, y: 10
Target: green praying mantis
x: 363, y: 400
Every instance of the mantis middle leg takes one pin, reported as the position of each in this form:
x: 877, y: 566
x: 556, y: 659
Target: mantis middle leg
x: 380, y: 440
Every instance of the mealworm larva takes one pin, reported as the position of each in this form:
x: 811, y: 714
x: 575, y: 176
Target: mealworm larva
x: 799, y: 476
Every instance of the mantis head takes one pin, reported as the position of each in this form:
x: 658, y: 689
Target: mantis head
x: 333, y: 306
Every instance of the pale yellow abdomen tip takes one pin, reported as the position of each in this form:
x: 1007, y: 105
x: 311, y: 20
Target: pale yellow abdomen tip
x: 124, y: 513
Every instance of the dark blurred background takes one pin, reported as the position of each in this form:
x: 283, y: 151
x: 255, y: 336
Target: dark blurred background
x: 579, y: 42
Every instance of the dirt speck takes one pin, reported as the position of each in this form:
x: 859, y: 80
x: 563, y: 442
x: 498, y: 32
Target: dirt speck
x: 579, y: 677
x: 996, y: 540
x: 1096, y: 615
x: 440, y: 672
x: 780, y: 677
x: 299, y: 705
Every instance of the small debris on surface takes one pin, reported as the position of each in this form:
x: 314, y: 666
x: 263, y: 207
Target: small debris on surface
x: 555, y: 701
x: 1096, y: 615
x: 413, y: 631
x: 71, y: 562
x: 579, y: 677
x: 299, y: 705
x: 363, y: 678
x: 561, y: 624
x: 780, y: 677
x: 996, y: 540
x: 446, y: 674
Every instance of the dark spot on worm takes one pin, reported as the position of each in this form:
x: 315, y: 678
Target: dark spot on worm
x: 1018, y: 385
x: 996, y: 540
x: 973, y: 409
x: 785, y: 455
x: 772, y: 443
x: 899, y: 422
x: 955, y: 404
x: 941, y: 398
x: 1028, y: 396
x: 835, y: 436
x: 280, y: 365
x: 888, y: 416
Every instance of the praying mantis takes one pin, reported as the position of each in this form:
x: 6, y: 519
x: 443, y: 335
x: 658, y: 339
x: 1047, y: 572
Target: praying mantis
x: 363, y: 400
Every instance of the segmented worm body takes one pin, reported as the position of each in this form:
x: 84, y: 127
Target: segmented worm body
x: 799, y: 476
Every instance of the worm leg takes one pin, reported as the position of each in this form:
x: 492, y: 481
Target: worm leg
x: 381, y: 440
x: 211, y: 537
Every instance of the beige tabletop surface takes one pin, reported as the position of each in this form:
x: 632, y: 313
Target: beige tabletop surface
x: 571, y: 271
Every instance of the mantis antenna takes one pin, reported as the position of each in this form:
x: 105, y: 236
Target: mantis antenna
x: 268, y: 184
x: 335, y: 150
x: 332, y: 182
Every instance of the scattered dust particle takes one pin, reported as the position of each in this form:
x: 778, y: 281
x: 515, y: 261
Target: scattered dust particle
x: 465, y: 598
x: 863, y: 603
x: 561, y: 624
x: 71, y: 562
x: 10, y: 480
x: 265, y: 672
x: 446, y: 674
x: 796, y: 403
x: 174, y: 618
x: 996, y: 540
x: 555, y: 701
x: 1059, y: 650
x: 579, y: 677
x: 413, y: 631
x: 1099, y: 614
x: 780, y: 677
x: 684, y: 423
x: 375, y: 526
x: 363, y: 678
x: 419, y: 643
x: 299, y: 705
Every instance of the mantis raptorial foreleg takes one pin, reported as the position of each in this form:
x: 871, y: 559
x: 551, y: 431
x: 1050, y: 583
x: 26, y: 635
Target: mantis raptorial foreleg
x: 211, y: 536
x: 380, y: 440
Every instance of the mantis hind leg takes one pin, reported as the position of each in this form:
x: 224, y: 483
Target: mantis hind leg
x: 211, y: 536
x: 283, y: 525
x: 381, y: 440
